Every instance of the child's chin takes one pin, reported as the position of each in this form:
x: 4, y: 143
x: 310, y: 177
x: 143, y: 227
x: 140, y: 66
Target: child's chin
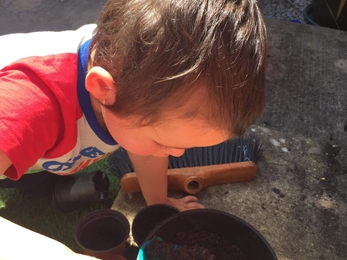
x: 162, y: 155
x: 144, y: 153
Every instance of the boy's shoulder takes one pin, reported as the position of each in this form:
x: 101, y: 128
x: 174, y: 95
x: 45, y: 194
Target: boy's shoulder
x: 17, y: 46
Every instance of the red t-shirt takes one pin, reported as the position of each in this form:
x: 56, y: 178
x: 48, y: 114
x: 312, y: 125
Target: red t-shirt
x: 46, y: 118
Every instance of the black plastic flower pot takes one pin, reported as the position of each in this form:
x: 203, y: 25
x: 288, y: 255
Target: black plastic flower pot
x: 103, y: 234
x: 308, y: 15
x: 234, y: 230
x: 79, y: 190
x: 148, y: 218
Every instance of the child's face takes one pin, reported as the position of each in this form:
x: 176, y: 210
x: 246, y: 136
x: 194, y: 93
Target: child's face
x: 171, y: 137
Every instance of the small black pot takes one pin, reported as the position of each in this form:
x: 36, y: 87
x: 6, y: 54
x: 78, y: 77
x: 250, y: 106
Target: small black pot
x: 148, y: 218
x: 103, y: 233
x: 308, y: 15
x: 79, y: 190
x: 237, y: 231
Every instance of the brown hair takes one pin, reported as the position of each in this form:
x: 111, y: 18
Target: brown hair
x: 161, y: 52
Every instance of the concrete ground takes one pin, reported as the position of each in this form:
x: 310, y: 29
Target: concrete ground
x: 298, y: 200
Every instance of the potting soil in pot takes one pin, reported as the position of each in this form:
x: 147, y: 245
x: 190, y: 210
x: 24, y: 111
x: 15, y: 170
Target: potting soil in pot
x: 202, y: 245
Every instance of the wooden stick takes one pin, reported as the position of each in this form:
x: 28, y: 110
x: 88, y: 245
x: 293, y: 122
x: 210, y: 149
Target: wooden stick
x: 194, y: 179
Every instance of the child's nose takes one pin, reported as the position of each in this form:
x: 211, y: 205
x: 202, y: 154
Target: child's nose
x: 174, y: 151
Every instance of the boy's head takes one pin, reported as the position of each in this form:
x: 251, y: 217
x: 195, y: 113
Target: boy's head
x: 164, y: 54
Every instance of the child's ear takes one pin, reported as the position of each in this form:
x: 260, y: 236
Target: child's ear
x: 100, y: 84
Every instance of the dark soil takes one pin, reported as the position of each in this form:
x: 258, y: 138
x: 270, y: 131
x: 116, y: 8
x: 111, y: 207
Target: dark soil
x: 202, y: 245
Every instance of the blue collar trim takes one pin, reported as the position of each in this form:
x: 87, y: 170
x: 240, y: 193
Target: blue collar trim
x: 84, y: 98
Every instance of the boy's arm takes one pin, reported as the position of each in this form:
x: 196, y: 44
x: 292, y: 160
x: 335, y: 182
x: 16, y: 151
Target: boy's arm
x: 151, y: 173
x: 16, y: 241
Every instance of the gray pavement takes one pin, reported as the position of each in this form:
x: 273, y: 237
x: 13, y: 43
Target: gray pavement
x: 298, y: 199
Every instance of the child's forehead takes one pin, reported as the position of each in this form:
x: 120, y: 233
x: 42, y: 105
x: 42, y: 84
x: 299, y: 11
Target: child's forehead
x: 191, y: 113
x: 189, y: 126
x: 184, y: 133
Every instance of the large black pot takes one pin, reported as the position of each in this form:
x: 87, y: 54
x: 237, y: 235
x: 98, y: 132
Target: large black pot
x: 237, y: 231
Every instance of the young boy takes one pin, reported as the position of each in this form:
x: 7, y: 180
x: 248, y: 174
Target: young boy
x: 155, y: 77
